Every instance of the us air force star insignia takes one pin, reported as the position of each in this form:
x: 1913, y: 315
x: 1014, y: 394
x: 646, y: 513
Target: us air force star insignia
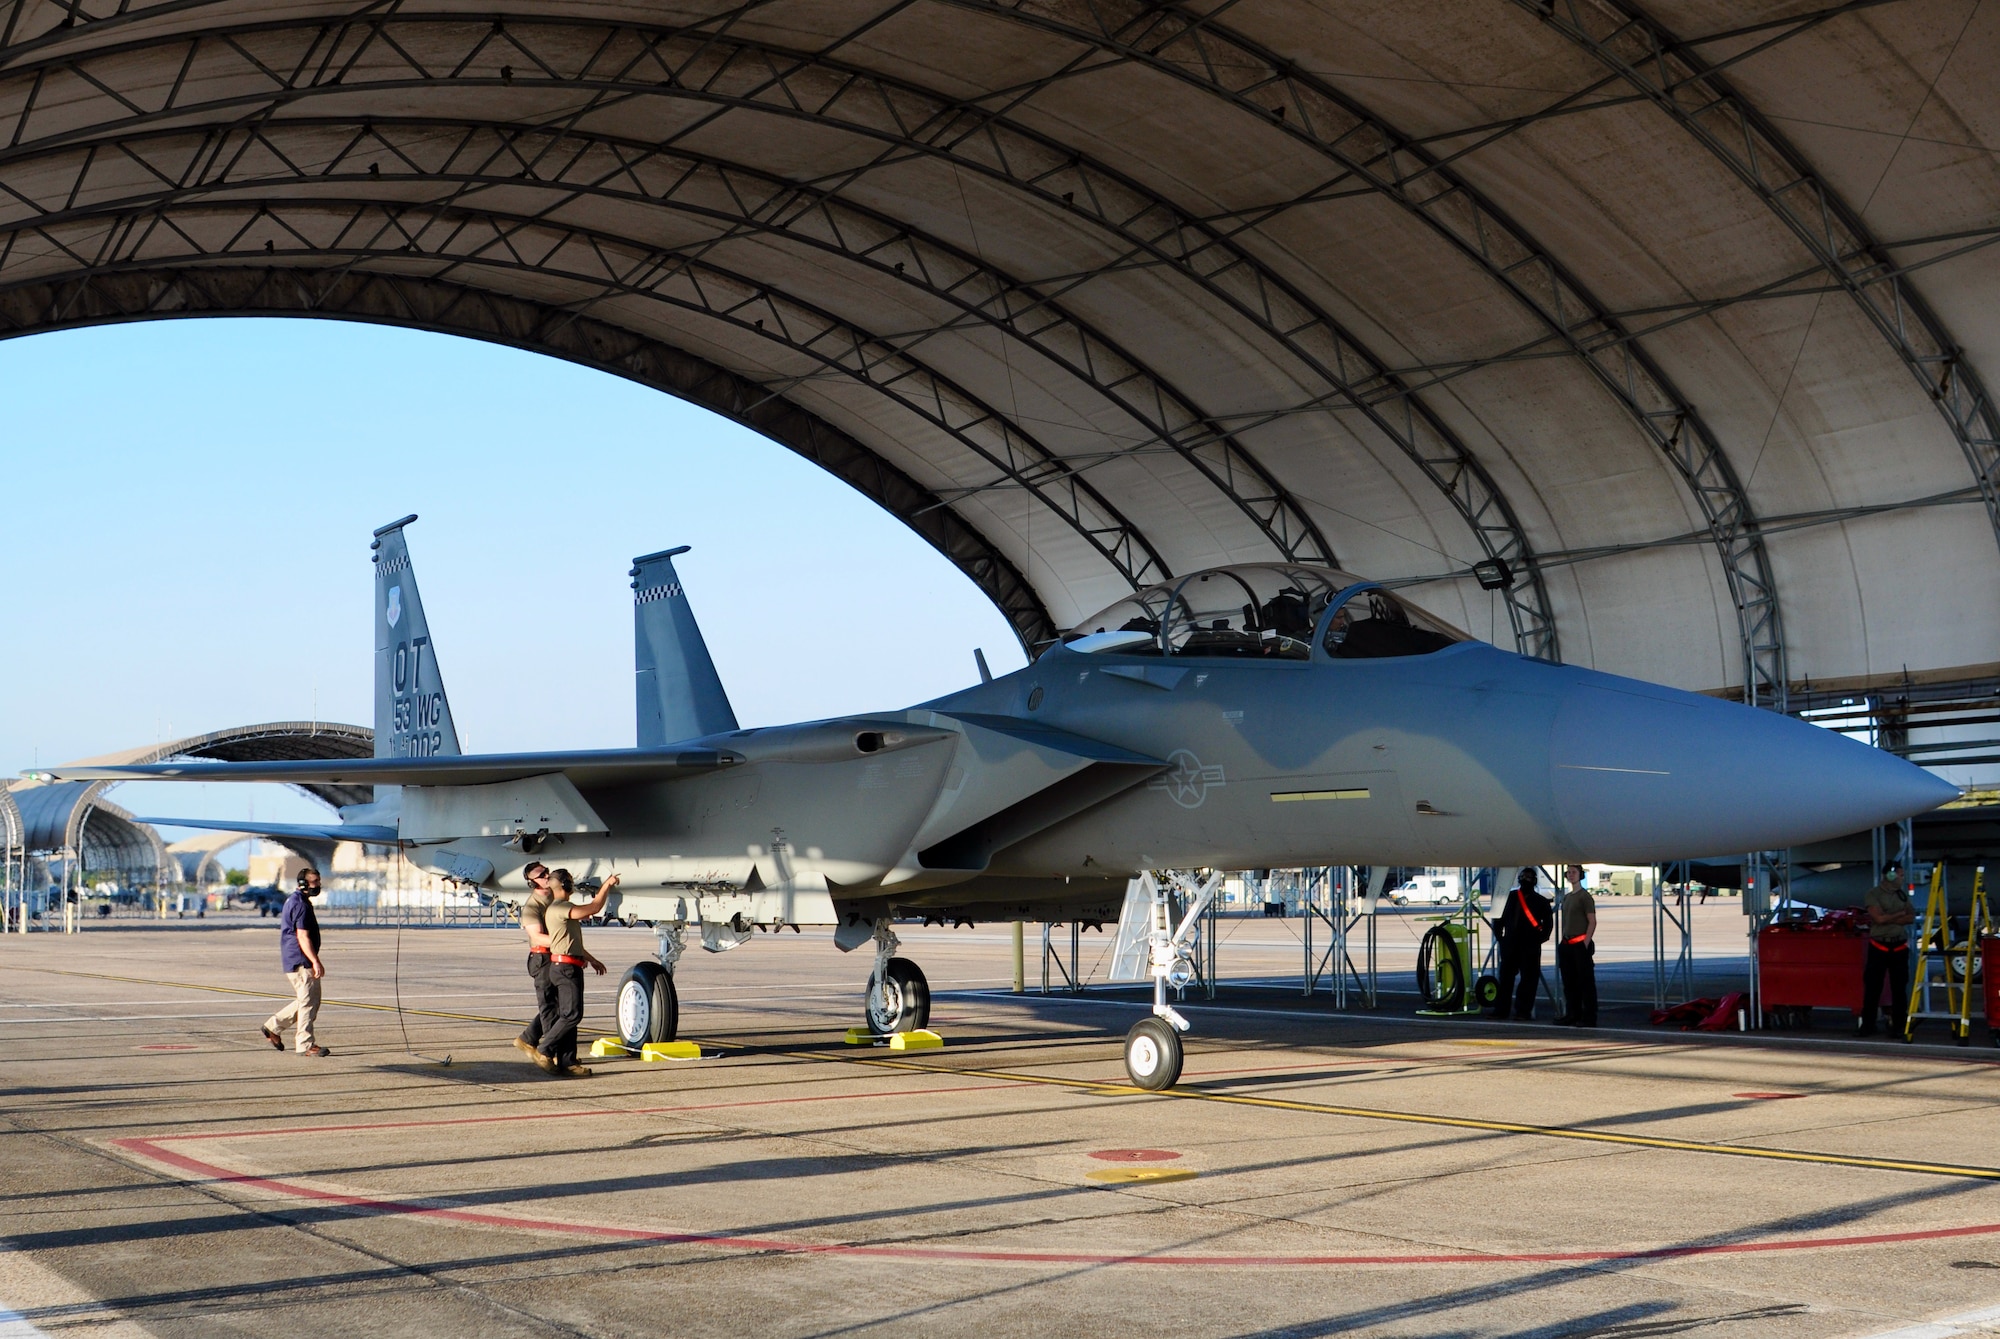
x: 395, y: 604
x: 1187, y: 782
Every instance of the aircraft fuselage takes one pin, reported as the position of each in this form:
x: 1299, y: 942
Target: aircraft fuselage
x: 1466, y: 756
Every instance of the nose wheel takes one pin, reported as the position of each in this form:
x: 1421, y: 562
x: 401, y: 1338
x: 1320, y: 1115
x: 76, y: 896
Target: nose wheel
x: 1153, y: 1054
x: 1153, y: 1046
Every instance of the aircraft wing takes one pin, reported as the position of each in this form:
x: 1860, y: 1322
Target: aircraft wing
x: 593, y: 767
x: 332, y: 832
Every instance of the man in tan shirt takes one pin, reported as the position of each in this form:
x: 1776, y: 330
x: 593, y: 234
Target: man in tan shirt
x: 1576, y: 951
x: 533, y: 912
x: 1888, y: 952
x: 556, y: 1053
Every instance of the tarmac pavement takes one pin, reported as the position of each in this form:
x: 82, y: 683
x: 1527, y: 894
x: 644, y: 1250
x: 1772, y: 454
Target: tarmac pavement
x: 163, y: 1171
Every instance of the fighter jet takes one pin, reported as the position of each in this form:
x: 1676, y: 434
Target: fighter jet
x: 1251, y: 716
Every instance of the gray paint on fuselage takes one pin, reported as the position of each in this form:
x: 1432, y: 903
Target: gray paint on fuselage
x: 1490, y: 759
x: 1241, y: 731
x: 1468, y: 756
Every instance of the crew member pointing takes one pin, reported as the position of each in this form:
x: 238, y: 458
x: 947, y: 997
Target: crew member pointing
x: 556, y: 1053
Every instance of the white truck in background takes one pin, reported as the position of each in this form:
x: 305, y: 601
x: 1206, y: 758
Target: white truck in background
x: 1433, y: 887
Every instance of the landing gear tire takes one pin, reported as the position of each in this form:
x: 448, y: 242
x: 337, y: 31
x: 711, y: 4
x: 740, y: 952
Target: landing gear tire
x: 900, y: 1000
x: 1153, y: 1054
x: 649, y: 1009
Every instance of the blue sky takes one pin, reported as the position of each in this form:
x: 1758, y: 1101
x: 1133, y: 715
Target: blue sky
x: 191, y: 502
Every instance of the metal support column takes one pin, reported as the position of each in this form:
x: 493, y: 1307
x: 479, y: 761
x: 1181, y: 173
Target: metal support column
x: 1675, y: 916
x: 1211, y: 925
x: 1072, y: 981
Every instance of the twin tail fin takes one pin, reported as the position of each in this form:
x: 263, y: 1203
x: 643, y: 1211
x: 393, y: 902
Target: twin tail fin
x: 412, y: 715
x: 679, y: 694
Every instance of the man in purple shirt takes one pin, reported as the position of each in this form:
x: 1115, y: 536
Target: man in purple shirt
x: 298, y: 952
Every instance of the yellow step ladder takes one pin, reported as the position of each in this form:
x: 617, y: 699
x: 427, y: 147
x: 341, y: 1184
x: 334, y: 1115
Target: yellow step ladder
x: 1943, y: 964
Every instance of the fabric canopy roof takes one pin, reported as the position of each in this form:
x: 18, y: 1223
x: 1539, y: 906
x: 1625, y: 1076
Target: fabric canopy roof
x: 1677, y: 315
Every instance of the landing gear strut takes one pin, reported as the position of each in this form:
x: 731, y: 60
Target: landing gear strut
x: 899, y: 998
x: 1153, y: 1046
x: 649, y: 1008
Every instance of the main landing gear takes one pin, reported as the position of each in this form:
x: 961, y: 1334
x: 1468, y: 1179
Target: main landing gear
x: 1153, y: 1046
x: 649, y: 1009
x: 899, y: 998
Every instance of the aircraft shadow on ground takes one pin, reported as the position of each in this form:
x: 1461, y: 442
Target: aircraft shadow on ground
x: 496, y: 1072
x: 1546, y: 1280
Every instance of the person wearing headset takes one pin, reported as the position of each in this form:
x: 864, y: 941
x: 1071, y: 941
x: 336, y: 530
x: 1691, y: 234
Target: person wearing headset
x: 1525, y: 924
x: 298, y: 953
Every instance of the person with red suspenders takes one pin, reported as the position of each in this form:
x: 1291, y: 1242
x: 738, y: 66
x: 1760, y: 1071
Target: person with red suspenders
x: 534, y: 924
x: 1524, y: 926
x: 1576, y: 954
x: 556, y: 1052
x: 1890, y: 915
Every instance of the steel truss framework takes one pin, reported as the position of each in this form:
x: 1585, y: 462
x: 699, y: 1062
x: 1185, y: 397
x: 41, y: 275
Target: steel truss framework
x: 469, y: 240
x: 196, y: 170
x: 1370, y: 155
x: 128, y: 200
x: 151, y: 291
x: 1672, y: 75
x: 566, y: 164
x: 623, y: 62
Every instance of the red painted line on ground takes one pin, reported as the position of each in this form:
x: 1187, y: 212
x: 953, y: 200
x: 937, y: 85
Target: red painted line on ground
x: 148, y: 1148
x: 571, y: 1115
x: 1768, y: 1097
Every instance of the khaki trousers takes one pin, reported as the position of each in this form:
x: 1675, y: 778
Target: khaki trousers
x: 301, y: 1011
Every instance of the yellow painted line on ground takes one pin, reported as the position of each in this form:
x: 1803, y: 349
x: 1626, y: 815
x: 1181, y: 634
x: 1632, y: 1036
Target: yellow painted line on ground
x: 1990, y: 1174
x: 1461, y: 1122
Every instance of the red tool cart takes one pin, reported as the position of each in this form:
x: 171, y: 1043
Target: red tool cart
x: 1989, y: 971
x: 1812, y: 965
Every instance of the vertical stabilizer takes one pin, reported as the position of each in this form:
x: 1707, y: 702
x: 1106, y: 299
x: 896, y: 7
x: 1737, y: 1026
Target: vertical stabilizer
x: 680, y: 695
x: 412, y: 718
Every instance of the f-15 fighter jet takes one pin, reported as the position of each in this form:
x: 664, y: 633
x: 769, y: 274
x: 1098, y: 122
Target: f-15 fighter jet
x: 1252, y: 716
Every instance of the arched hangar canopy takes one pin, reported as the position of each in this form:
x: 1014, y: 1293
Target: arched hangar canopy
x: 1675, y: 313
x: 198, y: 859
x: 68, y: 816
x: 273, y: 741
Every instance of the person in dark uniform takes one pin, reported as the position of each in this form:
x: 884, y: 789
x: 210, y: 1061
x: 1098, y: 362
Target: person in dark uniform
x: 533, y: 912
x: 1525, y: 923
x: 298, y: 953
x: 556, y: 1052
x: 1577, y: 953
x: 1889, y: 917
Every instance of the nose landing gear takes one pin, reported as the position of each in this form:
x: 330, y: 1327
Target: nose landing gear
x: 1153, y: 1046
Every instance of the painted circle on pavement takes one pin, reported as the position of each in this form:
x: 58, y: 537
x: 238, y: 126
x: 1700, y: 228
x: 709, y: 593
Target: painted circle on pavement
x: 1135, y: 1155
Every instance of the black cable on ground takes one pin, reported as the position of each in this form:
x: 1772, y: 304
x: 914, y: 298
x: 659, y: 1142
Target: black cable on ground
x: 407, y: 1050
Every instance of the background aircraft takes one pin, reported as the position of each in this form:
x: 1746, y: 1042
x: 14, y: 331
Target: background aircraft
x: 1256, y: 716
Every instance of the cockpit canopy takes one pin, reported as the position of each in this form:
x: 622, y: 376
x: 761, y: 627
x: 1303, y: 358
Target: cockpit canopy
x: 1263, y: 611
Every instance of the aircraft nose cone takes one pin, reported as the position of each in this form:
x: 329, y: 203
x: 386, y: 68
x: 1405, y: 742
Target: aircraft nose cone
x: 1643, y: 774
